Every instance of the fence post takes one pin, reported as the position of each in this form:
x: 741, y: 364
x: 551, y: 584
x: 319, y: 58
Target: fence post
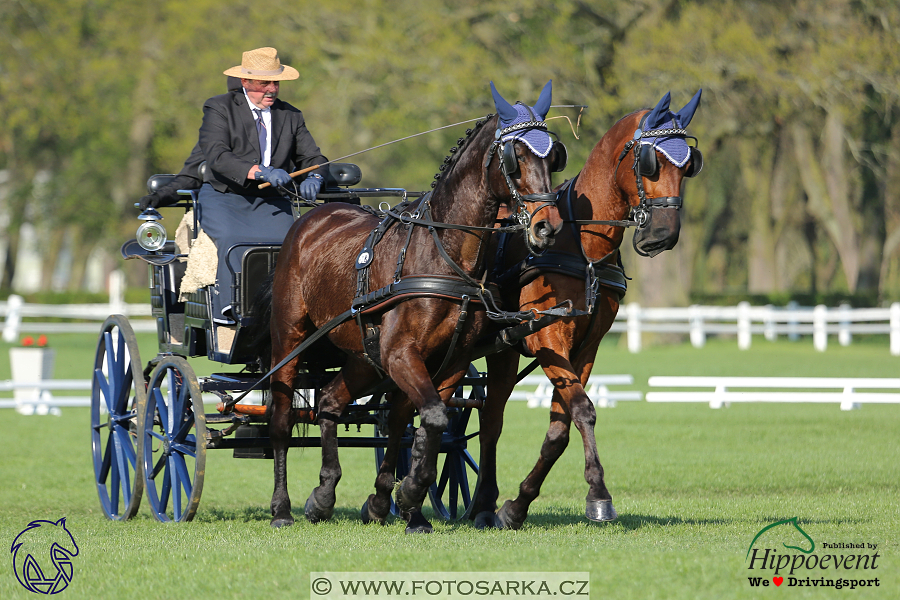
x: 793, y: 334
x: 743, y: 325
x: 895, y: 329
x: 13, y: 318
x: 116, y: 292
x: 820, y: 328
x: 633, y: 327
x: 698, y: 335
x: 769, y: 331
x: 844, y: 335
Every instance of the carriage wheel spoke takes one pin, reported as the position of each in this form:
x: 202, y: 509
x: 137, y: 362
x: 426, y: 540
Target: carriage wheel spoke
x: 124, y: 456
x: 107, y: 459
x: 103, y: 384
x: 185, y: 449
x: 161, y: 407
x: 172, y: 471
x: 182, y: 433
x: 158, y: 467
x: 470, y: 461
x: 166, y: 487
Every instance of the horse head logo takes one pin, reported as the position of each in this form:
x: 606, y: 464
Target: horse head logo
x: 30, y: 552
x: 791, y: 523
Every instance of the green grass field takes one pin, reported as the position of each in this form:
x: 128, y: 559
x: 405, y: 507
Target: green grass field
x: 692, y: 487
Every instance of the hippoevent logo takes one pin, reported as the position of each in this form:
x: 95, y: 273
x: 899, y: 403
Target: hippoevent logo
x: 42, y: 556
x: 784, y: 554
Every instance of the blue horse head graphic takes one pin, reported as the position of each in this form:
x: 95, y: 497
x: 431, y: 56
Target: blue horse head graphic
x: 32, y: 548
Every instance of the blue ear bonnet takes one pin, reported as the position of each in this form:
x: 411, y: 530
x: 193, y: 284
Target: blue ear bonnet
x: 674, y: 147
x: 512, y: 115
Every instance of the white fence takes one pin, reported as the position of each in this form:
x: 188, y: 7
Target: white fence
x: 846, y: 391
x: 13, y: 310
x: 698, y: 322
x: 744, y: 321
x: 597, y: 390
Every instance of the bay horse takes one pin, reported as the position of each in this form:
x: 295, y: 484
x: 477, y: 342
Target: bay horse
x: 598, y: 204
x: 425, y: 263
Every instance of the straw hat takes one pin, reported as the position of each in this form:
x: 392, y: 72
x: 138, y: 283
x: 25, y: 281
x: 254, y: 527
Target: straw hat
x: 263, y: 64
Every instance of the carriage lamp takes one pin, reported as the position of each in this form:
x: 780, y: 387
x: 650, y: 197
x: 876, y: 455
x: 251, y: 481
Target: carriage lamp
x: 151, y: 235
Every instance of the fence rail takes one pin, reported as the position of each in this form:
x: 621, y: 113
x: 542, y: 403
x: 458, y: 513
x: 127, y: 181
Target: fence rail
x: 697, y: 322
x: 846, y: 391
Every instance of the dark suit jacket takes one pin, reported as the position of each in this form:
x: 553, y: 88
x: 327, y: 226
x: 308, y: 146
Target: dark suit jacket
x: 231, y: 147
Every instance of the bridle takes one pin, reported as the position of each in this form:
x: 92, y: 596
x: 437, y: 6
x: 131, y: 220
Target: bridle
x: 508, y: 165
x: 646, y: 165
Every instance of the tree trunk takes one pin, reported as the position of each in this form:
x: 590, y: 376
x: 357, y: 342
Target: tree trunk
x: 824, y: 179
x: 757, y: 162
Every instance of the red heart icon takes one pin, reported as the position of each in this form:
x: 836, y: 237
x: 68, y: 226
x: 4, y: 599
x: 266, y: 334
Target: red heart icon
x: 778, y: 580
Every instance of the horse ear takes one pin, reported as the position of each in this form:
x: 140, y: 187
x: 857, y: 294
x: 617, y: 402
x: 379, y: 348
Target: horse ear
x: 61, y: 522
x: 542, y: 106
x: 685, y: 115
x: 659, y: 114
x: 504, y: 108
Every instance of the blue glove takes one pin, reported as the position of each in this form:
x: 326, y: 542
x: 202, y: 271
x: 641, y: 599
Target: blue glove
x: 309, y: 189
x: 277, y: 177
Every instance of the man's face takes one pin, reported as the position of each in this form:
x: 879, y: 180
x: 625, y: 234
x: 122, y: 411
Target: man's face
x: 261, y: 93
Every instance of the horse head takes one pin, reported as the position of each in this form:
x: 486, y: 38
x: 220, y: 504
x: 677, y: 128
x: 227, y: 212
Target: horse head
x: 519, y: 163
x: 661, y: 159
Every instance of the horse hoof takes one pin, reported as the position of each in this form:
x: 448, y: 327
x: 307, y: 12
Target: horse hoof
x: 600, y: 511
x: 314, y: 512
x: 418, y: 523
x: 506, y: 521
x: 367, y: 517
x: 487, y: 520
x: 285, y: 522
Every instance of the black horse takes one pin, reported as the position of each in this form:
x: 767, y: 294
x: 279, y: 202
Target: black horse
x: 424, y: 263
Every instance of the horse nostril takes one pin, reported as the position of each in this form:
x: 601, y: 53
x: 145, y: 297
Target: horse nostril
x: 543, y: 229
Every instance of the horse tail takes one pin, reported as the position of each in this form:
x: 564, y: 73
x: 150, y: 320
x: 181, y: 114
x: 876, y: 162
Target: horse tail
x: 260, y: 334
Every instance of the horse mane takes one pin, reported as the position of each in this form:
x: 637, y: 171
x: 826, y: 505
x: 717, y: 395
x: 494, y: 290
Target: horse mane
x: 455, y: 151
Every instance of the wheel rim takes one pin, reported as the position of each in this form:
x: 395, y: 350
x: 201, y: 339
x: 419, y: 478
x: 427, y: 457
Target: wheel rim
x: 174, y: 441
x: 117, y: 394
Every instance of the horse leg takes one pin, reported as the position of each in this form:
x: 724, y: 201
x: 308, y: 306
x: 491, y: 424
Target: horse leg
x: 412, y: 377
x: 598, y: 504
x: 501, y: 380
x: 378, y: 505
x: 335, y: 398
x: 552, y: 354
x: 281, y: 421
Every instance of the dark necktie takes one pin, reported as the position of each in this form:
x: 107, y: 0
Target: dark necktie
x: 261, y: 132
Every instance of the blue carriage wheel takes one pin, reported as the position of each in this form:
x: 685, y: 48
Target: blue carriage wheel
x: 118, y: 394
x: 450, y: 492
x: 173, y: 441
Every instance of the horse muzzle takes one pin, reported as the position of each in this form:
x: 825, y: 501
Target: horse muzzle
x: 659, y: 232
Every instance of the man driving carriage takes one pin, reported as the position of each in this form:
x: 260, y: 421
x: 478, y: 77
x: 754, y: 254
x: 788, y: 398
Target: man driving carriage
x: 248, y: 137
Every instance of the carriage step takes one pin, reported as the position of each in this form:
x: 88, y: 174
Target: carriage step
x: 252, y: 431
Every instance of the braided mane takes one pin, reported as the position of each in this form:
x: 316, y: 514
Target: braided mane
x: 455, y: 151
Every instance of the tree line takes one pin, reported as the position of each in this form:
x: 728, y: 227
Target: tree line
x: 798, y: 123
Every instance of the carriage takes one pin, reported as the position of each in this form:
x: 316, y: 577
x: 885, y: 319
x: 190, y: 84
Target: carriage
x: 150, y: 430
